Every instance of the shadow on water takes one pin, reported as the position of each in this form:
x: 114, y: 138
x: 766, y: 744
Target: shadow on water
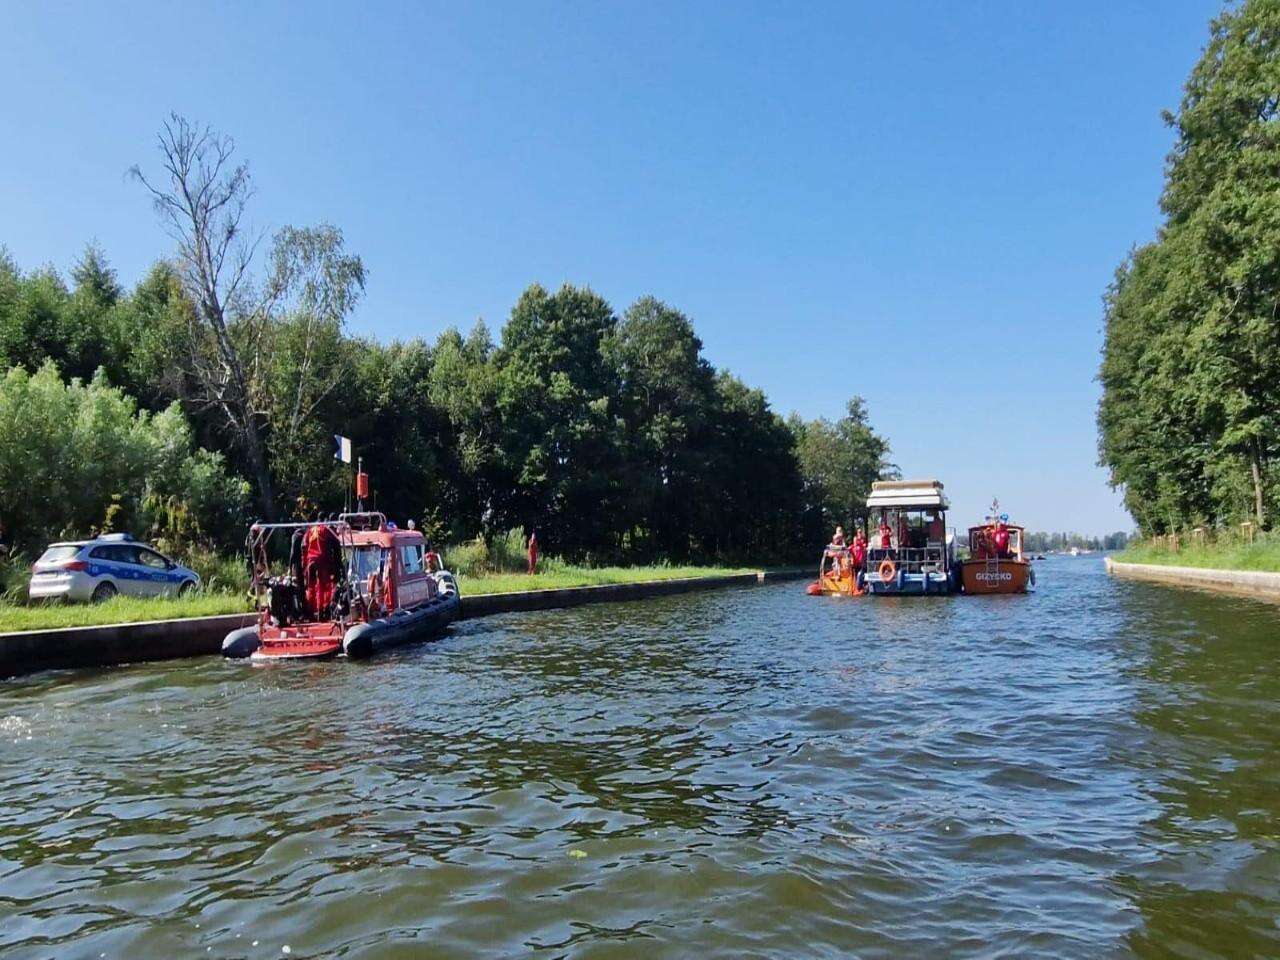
x: 1088, y: 770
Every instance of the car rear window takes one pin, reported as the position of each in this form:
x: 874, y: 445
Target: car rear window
x: 58, y: 554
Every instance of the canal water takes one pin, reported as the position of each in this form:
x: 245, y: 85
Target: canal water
x: 1092, y: 770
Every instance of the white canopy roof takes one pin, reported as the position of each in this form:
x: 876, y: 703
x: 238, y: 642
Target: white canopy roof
x: 912, y: 494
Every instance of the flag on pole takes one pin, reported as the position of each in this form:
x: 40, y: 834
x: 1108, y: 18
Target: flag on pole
x: 342, y: 448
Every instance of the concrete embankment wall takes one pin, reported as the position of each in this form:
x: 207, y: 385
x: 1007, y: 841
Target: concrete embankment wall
x: 35, y: 650
x: 1244, y: 583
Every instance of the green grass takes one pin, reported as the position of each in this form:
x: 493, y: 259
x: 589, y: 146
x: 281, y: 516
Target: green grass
x: 567, y: 576
x: 117, y: 610
x: 1263, y: 554
x: 130, y: 609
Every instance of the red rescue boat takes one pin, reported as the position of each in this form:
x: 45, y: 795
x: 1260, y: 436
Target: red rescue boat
x: 353, y: 586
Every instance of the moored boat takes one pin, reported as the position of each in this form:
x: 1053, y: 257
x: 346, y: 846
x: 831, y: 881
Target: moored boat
x: 355, y: 585
x: 910, y: 549
x: 996, y: 563
x: 838, y: 574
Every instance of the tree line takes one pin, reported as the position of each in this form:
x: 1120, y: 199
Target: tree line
x: 1190, y: 411
x: 229, y: 368
x: 1044, y: 542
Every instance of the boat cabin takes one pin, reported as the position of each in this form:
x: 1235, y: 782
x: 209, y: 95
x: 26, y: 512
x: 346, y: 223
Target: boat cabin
x: 910, y: 550
x: 983, y: 542
x: 387, y: 562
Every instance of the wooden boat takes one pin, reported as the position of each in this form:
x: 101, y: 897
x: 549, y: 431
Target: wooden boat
x: 996, y: 561
x: 380, y: 589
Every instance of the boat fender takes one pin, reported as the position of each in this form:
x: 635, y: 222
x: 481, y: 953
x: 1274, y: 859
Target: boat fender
x: 239, y: 644
x: 887, y: 571
x: 1031, y: 575
x: 357, y: 643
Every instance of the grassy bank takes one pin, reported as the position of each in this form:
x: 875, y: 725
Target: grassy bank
x: 130, y: 609
x: 117, y: 610
x: 1264, y: 554
x: 570, y: 576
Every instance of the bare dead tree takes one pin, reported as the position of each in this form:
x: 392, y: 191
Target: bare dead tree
x: 201, y: 202
x: 235, y: 325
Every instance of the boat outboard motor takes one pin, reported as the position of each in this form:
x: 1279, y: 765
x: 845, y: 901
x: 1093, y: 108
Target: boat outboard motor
x: 284, y: 601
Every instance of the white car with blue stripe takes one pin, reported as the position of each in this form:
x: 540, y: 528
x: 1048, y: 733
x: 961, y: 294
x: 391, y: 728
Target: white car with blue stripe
x: 100, y: 569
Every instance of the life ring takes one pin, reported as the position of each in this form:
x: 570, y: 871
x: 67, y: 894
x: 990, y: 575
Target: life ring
x: 887, y: 570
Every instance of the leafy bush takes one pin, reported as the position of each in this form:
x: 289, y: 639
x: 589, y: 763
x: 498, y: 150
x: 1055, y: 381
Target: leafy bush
x: 469, y: 558
x: 15, y: 574
x: 501, y: 554
x: 77, y: 459
x: 219, y: 572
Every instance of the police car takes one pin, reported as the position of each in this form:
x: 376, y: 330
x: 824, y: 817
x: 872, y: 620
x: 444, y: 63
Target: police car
x: 112, y: 564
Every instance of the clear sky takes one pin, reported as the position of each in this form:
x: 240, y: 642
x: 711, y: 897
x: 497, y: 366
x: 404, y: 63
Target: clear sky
x: 921, y: 203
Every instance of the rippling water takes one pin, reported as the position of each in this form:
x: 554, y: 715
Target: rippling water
x: 1090, y: 770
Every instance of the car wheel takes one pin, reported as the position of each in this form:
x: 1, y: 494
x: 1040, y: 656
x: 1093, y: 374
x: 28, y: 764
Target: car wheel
x: 188, y: 587
x: 104, y: 591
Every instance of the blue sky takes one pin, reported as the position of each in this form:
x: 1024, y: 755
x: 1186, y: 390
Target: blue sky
x: 921, y: 203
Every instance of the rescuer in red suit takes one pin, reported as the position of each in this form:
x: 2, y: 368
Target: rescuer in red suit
x: 1001, y: 539
x: 321, y: 561
x: 859, y: 551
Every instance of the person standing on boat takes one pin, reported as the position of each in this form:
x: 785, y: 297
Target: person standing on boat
x: 321, y: 561
x: 859, y: 550
x: 886, y: 534
x: 533, y: 553
x: 838, y: 539
x: 1001, y: 540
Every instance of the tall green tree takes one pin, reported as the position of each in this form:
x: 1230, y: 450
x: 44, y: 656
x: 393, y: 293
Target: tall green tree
x: 666, y: 401
x: 1190, y: 414
x: 555, y: 392
x: 839, y: 461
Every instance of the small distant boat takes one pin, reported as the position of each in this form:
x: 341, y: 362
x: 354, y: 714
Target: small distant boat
x: 996, y: 561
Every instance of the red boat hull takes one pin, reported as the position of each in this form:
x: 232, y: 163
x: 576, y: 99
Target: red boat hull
x: 305, y: 641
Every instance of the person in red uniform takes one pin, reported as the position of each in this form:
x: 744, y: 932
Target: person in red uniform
x: 1001, y: 539
x: 886, y: 535
x: 533, y: 553
x: 859, y: 551
x: 321, y: 560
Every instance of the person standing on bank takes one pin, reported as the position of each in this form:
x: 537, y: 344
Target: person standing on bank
x: 533, y: 553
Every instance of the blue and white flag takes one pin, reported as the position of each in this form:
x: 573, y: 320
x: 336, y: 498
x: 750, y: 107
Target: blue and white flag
x: 342, y: 448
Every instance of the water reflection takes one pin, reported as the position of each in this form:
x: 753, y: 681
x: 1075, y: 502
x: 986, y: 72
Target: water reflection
x: 1209, y: 704
x: 1086, y: 771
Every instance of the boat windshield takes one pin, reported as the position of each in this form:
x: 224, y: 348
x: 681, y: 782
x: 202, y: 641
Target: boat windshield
x: 363, y: 561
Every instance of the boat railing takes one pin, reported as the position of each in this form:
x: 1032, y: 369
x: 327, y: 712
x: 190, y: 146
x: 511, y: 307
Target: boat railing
x: 909, y: 559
